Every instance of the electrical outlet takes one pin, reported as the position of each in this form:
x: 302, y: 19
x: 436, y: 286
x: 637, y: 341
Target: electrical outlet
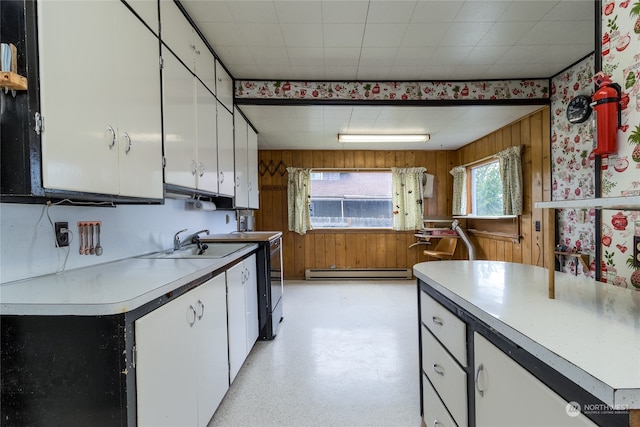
x: 62, y: 238
x: 537, y: 225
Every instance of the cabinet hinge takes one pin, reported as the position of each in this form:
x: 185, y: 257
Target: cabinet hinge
x: 134, y: 356
x: 164, y: 162
x: 39, y: 127
x: 161, y: 63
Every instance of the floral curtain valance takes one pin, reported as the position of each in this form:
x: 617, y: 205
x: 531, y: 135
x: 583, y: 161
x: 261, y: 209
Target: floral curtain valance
x: 298, y: 199
x: 459, y: 190
x: 406, y: 197
x: 511, y: 176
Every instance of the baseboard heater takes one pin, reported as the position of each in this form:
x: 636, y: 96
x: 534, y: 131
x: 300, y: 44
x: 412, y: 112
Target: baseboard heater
x: 357, y: 273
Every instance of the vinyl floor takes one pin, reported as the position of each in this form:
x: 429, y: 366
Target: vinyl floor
x: 346, y: 354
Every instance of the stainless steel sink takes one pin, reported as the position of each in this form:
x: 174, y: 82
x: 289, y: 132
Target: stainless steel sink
x: 214, y: 250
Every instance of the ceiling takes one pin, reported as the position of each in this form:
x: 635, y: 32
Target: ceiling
x: 397, y: 40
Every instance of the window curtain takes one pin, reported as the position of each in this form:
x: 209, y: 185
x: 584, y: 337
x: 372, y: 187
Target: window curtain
x: 459, y: 190
x: 511, y: 176
x: 406, y: 196
x: 299, y: 199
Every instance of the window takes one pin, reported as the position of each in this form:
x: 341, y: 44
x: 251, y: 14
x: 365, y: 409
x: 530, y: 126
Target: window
x: 486, y: 189
x: 351, y: 199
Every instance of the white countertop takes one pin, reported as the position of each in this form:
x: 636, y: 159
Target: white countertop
x: 110, y: 288
x: 590, y: 332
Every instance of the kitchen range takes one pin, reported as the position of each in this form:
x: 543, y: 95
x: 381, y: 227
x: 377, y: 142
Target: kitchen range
x: 270, y: 285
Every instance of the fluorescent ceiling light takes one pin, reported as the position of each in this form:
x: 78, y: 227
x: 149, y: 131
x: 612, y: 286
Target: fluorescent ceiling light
x: 383, y: 138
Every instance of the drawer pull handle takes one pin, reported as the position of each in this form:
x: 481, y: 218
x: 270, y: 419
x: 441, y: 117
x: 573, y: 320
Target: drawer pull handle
x: 438, y: 321
x: 438, y: 369
x: 191, y: 316
x: 478, y: 370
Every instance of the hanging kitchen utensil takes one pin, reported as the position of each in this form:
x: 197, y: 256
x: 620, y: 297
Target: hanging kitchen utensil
x: 81, y: 233
x: 98, y: 247
x: 86, y: 239
x: 92, y: 250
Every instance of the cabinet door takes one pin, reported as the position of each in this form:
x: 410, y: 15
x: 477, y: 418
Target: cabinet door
x: 206, y: 139
x: 506, y: 393
x: 179, y: 123
x: 251, y: 301
x: 137, y: 71
x: 204, y: 64
x: 211, y: 354
x: 79, y: 150
x: 225, y: 151
x: 224, y: 86
x: 176, y: 32
x: 240, y: 150
x: 165, y: 365
x: 252, y: 168
x: 148, y: 12
x: 236, y: 315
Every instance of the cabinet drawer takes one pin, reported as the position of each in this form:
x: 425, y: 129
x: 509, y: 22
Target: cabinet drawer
x: 450, y: 330
x: 447, y: 377
x: 435, y: 413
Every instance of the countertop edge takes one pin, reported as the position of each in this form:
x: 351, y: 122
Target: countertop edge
x: 122, y: 307
x: 626, y: 398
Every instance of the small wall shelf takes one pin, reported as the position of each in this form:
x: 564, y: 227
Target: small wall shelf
x: 12, y: 81
x: 582, y: 258
x: 623, y: 203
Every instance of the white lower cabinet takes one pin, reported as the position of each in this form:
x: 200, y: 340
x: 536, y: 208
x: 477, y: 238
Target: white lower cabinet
x: 181, y: 358
x: 507, y: 395
x: 243, y: 312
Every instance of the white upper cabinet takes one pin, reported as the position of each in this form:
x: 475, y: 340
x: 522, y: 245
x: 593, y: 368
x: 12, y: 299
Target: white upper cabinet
x: 148, y: 12
x: 246, y: 163
x: 102, y: 132
x: 226, y: 184
x: 206, y: 140
x: 241, y: 166
x: 179, y: 123
x: 178, y: 34
x: 252, y: 163
x: 224, y: 86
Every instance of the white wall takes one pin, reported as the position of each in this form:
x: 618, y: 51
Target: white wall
x: 27, y: 242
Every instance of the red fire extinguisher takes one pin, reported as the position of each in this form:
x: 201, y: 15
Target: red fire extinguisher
x: 606, y: 106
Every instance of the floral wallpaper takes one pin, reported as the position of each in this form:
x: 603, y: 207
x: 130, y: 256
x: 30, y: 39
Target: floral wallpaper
x: 621, y: 172
x: 573, y: 166
x: 394, y: 91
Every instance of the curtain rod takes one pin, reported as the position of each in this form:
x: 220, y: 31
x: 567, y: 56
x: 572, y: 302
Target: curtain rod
x: 493, y: 156
x: 351, y: 169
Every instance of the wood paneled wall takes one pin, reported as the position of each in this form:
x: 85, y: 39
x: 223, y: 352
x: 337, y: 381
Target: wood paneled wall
x: 389, y: 249
x: 532, y: 132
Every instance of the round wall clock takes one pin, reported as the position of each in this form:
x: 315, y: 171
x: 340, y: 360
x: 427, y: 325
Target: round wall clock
x: 579, y: 109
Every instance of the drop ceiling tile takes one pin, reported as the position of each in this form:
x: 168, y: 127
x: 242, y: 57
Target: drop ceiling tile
x: 259, y: 35
x: 222, y: 34
x: 259, y: 12
x: 269, y: 55
x: 412, y: 56
x: 465, y: 34
x: 481, y: 55
x: 505, y: 33
x: 472, y: 71
x: 208, y: 11
x: 233, y: 55
x: 406, y: 72
x: 390, y: 11
x: 436, y: 11
x: 577, y: 10
x: 299, y: 12
x: 343, y: 35
x: 344, y: 12
x: 437, y: 72
x: 481, y: 11
x: 345, y: 73
x: 383, y: 56
x: 556, y: 32
x: 302, y: 35
x: 341, y: 56
x: 450, y: 55
x: 418, y: 34
x: 312, y: 57
x: 529, y: 10
x: 277, y: 71
x: 374, y: 72
x: 383, y: 35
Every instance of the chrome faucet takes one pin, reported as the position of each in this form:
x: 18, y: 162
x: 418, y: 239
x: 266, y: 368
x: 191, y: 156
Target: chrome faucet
x: 193, y: 238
